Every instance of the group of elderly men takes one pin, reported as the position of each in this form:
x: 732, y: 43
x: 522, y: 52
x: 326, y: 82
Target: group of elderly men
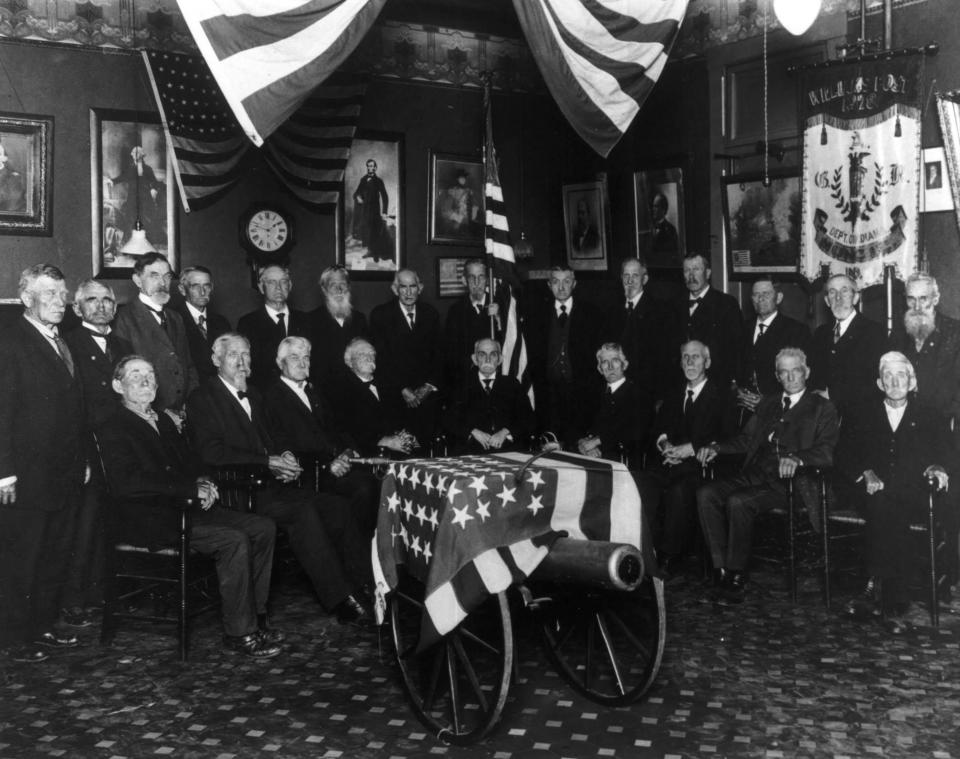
x: 171, y: 394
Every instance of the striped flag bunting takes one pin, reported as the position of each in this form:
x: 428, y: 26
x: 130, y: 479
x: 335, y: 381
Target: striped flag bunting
x: 308, y: 153
x: 269, y: 55
x: 600, y: 58
x: 467, y: 527
x: 500, y: 259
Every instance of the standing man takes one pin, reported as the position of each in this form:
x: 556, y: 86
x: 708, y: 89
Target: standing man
x: 270, y: 323
x: 468, y: 320
x: 203, y: 325
x: 333, y: 324
x: 639, y: 325
x: 895, y: 444
x: 370, y: 206
x: 407, y: 337
x: 95, y: 349
x: 148, y: 466
x: 790, y: 429
x: 158, y: 334
x: 713, y: 318
x: 42, y: 466
x: 562, y: 339
x: 844, y: 353
x: 228, y: 427
x: 766, y: 335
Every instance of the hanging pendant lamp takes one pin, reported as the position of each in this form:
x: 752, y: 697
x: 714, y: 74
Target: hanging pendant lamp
x: 796, y: 16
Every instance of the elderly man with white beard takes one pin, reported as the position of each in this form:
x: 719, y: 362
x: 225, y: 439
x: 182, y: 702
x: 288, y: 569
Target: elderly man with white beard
x: 334, y: 324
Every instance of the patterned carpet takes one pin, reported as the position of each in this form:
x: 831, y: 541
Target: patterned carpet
x: 766, y: 680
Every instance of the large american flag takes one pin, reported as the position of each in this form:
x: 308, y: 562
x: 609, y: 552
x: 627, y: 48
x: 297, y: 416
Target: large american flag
x: 308, y: 153
x: 500, y: 258
x: 269, y: 55
x: 467, y: 527
x: 600, y: 58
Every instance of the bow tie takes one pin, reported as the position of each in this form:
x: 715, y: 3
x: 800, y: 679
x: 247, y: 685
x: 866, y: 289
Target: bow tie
x: 241, y: 394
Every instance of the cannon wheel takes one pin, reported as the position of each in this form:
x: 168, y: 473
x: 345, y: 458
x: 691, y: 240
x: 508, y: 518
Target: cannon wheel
x: 458, y: 686
x: 606, y: 644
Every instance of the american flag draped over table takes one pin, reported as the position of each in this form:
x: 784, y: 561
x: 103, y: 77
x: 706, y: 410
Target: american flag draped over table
x: 600, y: 58
x: 269, y: 55
x: 466, y: 527
x: 500, y: 258
x: 308, y: 153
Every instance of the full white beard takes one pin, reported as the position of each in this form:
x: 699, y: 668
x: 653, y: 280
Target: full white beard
x: 919, y: 325
x: 340, y: 306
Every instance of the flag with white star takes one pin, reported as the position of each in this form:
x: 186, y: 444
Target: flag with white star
x: 474, y: 525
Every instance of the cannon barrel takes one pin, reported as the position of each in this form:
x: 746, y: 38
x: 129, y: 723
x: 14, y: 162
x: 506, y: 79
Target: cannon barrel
x: 599, y: 563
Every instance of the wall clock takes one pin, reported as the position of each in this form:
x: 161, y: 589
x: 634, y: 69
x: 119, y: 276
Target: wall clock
x: 267, y: 232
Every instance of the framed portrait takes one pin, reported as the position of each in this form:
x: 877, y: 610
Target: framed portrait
x: 130, y: 176
x: 450, y: 276
x: 372, y: 230
x: 456, y: 200
x: 658, y: 217
x: 585, y: 222
x: 936, y: 185
x: 762, y: 225
x: 26, y: 174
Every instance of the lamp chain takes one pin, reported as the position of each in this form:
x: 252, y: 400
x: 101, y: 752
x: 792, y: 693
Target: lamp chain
x: 766, y: 109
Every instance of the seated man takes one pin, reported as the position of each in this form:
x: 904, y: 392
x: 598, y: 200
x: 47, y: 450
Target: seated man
x: 300, y: 421
x: 890, y: 447
x: 692, y: 415
x: 147, y: 464
x: 228, y: 427
x: 788, y: 430
x: 490, y: 411
x: 622, y: 423
x: 361, y: 411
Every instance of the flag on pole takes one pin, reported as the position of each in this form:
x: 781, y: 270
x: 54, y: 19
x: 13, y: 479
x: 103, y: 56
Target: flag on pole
x: 269, y: 55
x: 600, y: 58
x: 500, y: 258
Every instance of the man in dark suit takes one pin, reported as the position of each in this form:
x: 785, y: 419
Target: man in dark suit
x: 42, y: 466
x: 844, y: 353
x: 203, y: 325
x: 157, y: 333
x: 562, y: 339
x: 490, y: 411
x: 639, y: 325
x: 766, y: 335
x: 148, y: 466
x: 468, y: 320
x: 790, y: 429
x: 229, y: 428
x: 622, y: 421
x: 362, y: 411
x: 300, y: 421
x: 693, y: 415
x: 407, y: 336
x: 95, y: 349
x: 893, y: 446
x: 268, y: 325
x: 333, y: 325
x: 713, y: 318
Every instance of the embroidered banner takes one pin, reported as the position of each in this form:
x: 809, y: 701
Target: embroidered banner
x: 860, y: 189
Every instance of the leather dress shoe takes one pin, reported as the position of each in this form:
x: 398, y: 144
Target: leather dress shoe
x: 56, y: 639
x: 712, y: 593
x: 28, y: 654
x: 268, y: 633
x: 252, y: 645
x: 351, y: 612
x: 734, y: 590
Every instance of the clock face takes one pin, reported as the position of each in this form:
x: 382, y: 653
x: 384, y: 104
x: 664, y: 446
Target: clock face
x: 267, y: 230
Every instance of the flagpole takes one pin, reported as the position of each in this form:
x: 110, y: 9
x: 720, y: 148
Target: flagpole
x: 487, y: 128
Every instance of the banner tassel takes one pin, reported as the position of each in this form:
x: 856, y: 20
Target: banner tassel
x: 823, y: 135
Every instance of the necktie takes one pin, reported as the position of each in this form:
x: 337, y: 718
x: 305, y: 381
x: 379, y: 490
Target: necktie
x: 411, y: 316
x: 202, y: 324
x: 629, y: 307
x: 282, y: 323
x: 693, y: 303
x: 486, y: 385
x: 479, y: 308
x: 562, y: 318
x: 158, y: 312
x: 64, y: 352
x: 836, y: 332
x: 786, y: 403
x: 762, y: 328
x: 373, y: 389
x: 688, y: 403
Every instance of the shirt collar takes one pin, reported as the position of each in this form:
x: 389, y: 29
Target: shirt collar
x: 635, y: 299
x: 43, y: 329
x: 795, y: 398
x: 148, y: 302
x: 768, y: 320
x: 483, y: 377
x: 698, y: 388
x: 231, y: 388
x: 195, y: 312
x: 845, y: 323
x: 274, y: 313
x: 568, y: 303
x: 300, y: 387
x: 692, y: 296
x: 614, y: 386
x: 96, y: 330
x: 404, y: 310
